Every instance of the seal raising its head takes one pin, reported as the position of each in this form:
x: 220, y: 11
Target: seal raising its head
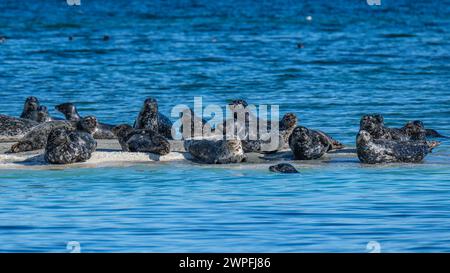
x: 70, y: 112
x: 31, y: 105
x: 373, y: 151
x: 67, y: 146
x: 283, y: 168
x: 308, y: 144
x: 216, y: 151
x: 141, y: 140
x: 150, y: 118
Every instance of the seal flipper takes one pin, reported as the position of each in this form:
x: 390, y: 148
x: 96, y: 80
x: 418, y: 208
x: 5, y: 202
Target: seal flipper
x: 434, y: 133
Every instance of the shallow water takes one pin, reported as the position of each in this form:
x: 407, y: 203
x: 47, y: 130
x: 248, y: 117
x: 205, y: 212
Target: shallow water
x: 393, y: 59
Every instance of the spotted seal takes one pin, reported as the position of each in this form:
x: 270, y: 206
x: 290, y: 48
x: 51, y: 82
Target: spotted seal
x: 283, y: 168
x: 41, y: 115
x: 141, y: 140
x: 265, y: 143
x: 14, y: 129
x: 37, y: 137
x: 213, y: 151
x: 373, y: 151
x: 70, y: 112
x: 307, y: 144
x: 413, y: 130
x: 70, y: 146
x: 30, y: 106
x: 198, y: 126
x: 150, y: 118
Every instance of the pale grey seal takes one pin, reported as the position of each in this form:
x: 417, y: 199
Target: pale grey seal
x: 141, y: 140
x: 373, y: 151
x: 70, y: 146
x: 13, y: 129
x: 37, y: 137
x: 70, y: 112
x: 307, y: 144
x: 212, y: 151
x: 283, y: 168
x: 150, y: 118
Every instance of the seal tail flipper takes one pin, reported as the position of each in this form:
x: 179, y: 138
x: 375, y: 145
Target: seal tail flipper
x: 336, y: 145
x: 432, y: 145
x: 434, y: 133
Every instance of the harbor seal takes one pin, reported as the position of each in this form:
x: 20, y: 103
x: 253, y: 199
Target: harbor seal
x: 41, y: 115
x: 141, y: 140
x: 30, y: 106
x: 375, y: 151
x: 198, y: 126
x: 150, y: 118
x: 264, y: 143
x: 70, y: 112
x: 307, y: 144
x: 283, y: 168
x: 70, y: 146
x: 37, y: 137
x: 212, y: 151
x: 14, y: 129
x: 413, y: 130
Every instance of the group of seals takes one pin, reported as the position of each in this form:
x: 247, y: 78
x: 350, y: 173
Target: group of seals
x: 70, y: 112
x: 72, y: 140
x: 377, y: 143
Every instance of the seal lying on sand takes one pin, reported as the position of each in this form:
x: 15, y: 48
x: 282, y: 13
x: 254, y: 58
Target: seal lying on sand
x: 150, y: 118
x: 373, y: 151
x: 141, y: 140
x: 283, y: 168
x: 216, y: 151
x: 70, y: 113
x: 413, y: 130
x: 266, y: 144
x: 36, y: 138
x: 307, y: 144
x: 70, y: 146
x: 13, y: 129
x: 198, y: 126
x: 41, y: 115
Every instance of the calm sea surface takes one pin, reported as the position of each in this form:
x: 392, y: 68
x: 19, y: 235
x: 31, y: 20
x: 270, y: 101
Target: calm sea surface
x: 346, y: 59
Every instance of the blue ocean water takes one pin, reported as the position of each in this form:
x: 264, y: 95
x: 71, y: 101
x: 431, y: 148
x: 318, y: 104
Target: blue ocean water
x: 347, y: 60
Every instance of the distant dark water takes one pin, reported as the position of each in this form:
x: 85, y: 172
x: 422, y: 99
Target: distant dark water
x: 350, y: 59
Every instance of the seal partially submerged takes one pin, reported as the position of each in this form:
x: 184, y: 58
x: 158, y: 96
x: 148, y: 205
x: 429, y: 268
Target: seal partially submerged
x: 70, y: 112
x: 13, y: 129
x: 150, y: 118
x: 141, y: 140
x: 283, y: 168
x: 373, y: 151
x: 70, y: 146
x: 307, y: 144
x: 212, y: 151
